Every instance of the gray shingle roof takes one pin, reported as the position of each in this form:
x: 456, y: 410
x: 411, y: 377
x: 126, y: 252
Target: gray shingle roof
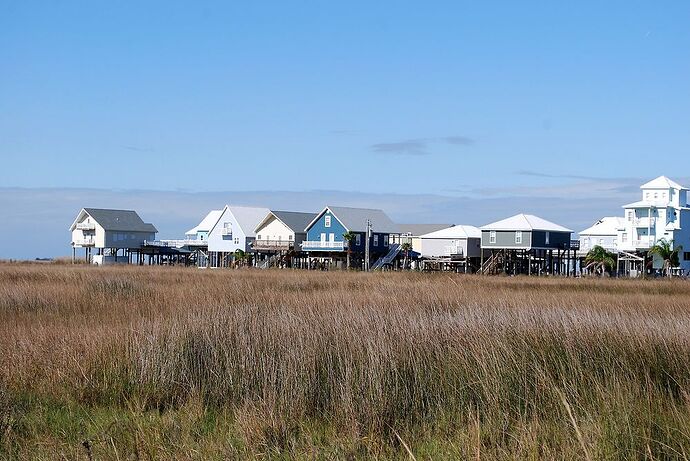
x: 295, y: 220
x: 355, y: 219
x: 120, y: 220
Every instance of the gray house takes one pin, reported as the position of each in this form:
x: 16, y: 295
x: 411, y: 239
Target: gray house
x: 525, y: 244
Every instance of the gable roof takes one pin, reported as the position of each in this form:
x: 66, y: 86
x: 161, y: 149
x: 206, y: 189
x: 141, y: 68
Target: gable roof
x: 525, y: 222
x: 296, y: 221
x: 117, y: 220
x: 454, y: 232
x: 662, y: 182
x: 207, y: 223
x: 355, y: 219
x: 247, y: 217
x: 608, y: 225
x: 421, y: 229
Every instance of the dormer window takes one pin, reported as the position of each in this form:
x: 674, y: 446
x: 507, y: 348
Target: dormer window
x: 327, y: 221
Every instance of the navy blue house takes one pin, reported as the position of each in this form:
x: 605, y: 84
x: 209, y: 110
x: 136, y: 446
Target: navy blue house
x: 325, y: 232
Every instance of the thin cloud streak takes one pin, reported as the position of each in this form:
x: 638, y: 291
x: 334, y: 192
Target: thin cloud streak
x: 419, y: 146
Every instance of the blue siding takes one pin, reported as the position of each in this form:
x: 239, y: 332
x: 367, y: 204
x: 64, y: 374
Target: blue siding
x: 319, y: 227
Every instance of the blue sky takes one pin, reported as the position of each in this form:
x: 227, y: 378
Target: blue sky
x: 463, y: 100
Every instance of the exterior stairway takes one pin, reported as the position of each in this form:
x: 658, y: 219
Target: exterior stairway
x: 388, y: 258
x: 492, y: 265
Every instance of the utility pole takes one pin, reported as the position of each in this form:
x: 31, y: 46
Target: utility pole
x: 366, y: 246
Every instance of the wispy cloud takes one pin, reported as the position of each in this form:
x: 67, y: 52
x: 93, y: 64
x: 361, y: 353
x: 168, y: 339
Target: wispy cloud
x: 419, y: 146
x: 137, y: 148
x: 409, y: 147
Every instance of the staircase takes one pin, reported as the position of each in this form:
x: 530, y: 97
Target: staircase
x: 389, y: 257
x: 267, y: 263
x: 492, y: 264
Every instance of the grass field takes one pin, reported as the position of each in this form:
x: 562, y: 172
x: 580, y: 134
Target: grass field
x: 172, y: 363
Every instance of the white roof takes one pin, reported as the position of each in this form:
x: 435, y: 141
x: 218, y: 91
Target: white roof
x: 207, y: 223
x: 525, y: 222
x: 662, y: 182
x: 649, y: 204
x: 608, y: 225
x: 459, y: 231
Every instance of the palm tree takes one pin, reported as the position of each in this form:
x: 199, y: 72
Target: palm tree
x: 406, y: 247
x: 665, y: 250
x: 599, y: 259
x: 349, y: 236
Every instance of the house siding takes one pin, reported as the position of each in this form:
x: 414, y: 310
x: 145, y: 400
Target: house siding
x: 506, y: 239
x: 337, y: 229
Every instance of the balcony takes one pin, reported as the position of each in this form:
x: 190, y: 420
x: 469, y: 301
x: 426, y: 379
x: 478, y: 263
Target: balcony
x: 641, y: 243
x: 644, y: 222
x: 86, y: 226
x: 87, y: 242
x: 319, y: 245
x: 273, y: 244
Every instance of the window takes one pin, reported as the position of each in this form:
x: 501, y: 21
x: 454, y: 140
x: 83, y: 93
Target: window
x: 291, y: 237
x: 331, y: 237
x: 280, y: 237
x: 518, y: 237
x: 630, y: 215
x: 385, y: 240
x: 686, y: 256
x: 601, y: 242
x: 327, y: 221
x: 492, y: 236
x: 258, y: 237
x: 358, y: 239
x: 624, y: 237
x: 547, y: 237
x: 237, y: 240
x: 656, y: 195
x: 376, y: 240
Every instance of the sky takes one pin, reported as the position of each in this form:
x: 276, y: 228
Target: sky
x: 441, y: 111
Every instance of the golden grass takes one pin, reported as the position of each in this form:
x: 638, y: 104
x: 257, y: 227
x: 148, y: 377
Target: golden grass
x: 147, y: 362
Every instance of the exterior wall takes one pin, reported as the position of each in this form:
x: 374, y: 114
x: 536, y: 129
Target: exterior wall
x: 218, y: 241
x: 588, y: 241
x: 506, y: 239
x: 557, y: 240
x: 530, y: 239
x: 274, y: 229
x: 337, y: 229
x: 97, y: 235
x: 121, y: 239
x: 319, y: 227
x: 444, y: 246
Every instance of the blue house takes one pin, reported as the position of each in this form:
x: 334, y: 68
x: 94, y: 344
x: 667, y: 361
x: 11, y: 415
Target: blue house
x: 325, y: 231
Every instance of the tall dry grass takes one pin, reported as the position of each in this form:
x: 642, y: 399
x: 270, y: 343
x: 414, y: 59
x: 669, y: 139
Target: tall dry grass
x: 131, y: 362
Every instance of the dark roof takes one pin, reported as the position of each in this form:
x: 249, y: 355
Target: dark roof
x: 295, y: 220
x: 120, y: 220
x: 421, y: 229
x: 355, y: 219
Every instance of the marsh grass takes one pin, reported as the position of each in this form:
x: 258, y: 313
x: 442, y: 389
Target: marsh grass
x: 150, y: 363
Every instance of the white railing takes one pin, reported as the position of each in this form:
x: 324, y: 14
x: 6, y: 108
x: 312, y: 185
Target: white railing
x: 84, y: 242
x: 86, y: 226
x: 644, y: 221
x: 172, y: 243
x: 326, y: 245
x: 277, y: 244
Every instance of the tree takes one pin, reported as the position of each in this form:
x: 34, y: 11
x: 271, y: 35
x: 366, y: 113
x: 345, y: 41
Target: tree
x: 406, y: 247
x: 349, y: 237
x: 598, y: 259
x: 665, y: 250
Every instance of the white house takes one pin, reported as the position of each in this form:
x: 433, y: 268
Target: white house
x: 282, y: 231
x: 410, y: 233
x: 456, y: 240
x: 603, y: 233
x: 112, y: 230
x: 663, y: 213
x: 233, y: 230
x: 201, y: 230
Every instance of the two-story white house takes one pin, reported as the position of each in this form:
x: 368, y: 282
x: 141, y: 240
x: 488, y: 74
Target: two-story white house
x: 105, y: 233
x: 233, y: 230
x: 663, y: 213
x: 282, y: 231
x: 603, y: 233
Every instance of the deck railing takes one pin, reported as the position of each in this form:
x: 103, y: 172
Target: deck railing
x: 84, y: 242
x: 273, y: 244
x: 323, y: 245
x: 86, y: 226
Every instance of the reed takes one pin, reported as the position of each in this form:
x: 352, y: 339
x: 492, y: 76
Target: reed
x: 148, y: 362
